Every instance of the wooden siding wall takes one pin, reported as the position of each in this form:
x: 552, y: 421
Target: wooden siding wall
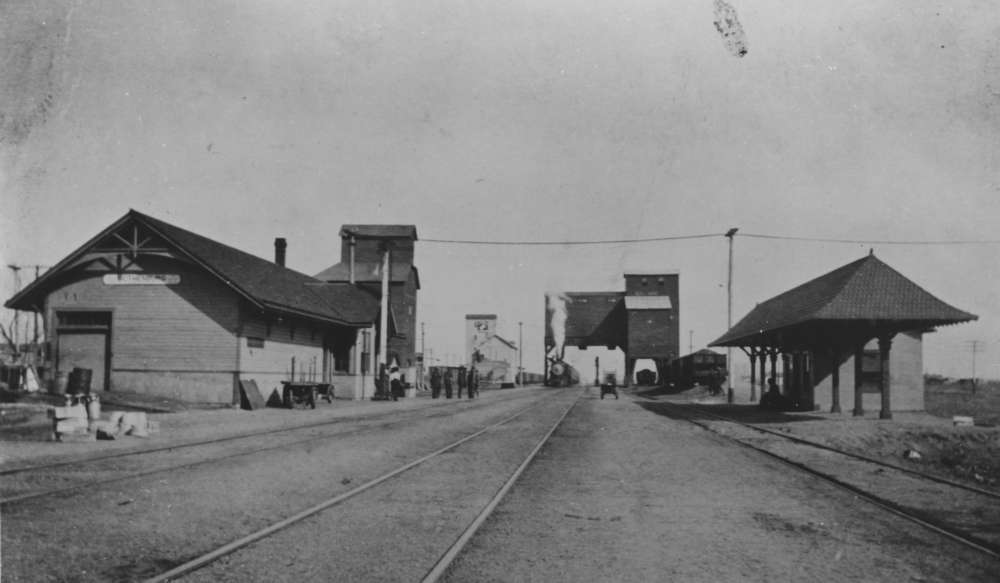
x: 172, y: 340
x: 282, y: 341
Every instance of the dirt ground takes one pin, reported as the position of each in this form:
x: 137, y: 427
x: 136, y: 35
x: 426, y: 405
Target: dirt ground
x: 969, y: 455
x: 135, y: 528
x: 624, y: 494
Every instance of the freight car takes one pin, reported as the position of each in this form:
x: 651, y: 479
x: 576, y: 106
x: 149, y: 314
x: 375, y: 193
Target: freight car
x: 704, y: 367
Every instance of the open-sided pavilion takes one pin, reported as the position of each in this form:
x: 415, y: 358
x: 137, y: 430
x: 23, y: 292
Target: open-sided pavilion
x: 819, y: 326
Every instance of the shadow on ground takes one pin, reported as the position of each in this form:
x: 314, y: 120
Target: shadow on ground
x: 742, y: 413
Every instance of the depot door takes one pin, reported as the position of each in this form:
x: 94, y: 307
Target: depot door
x: 83, y: 340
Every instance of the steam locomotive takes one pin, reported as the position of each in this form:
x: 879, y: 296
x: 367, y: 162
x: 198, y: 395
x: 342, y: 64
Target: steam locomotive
x: 561, y: 374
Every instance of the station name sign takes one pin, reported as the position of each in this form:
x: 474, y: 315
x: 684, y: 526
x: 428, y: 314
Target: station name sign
x: 142, y: 279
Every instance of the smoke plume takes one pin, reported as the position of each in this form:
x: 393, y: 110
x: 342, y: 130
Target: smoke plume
x: 555, y: 303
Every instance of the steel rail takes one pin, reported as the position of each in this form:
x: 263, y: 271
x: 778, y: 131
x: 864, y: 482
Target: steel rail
x: 858, y: 456
x: 451, y: 554
x: 214, y: 555
x: 932, y: 525
x: 99, y: 482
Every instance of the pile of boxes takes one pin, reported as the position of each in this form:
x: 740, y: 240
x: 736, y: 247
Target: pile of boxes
x: 71, y: 423
x: 81, y: 420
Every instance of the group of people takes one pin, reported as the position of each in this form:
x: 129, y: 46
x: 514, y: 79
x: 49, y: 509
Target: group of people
x: 467, y: 380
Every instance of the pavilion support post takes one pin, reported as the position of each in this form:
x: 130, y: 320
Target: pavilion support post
x: 859, y: 354
x: 629, y: 371
x: 834, y: 380
x: 752, y: 353
x: 810, y: 358
x: 884, y: 378
x: 786, y: 376
x: 763, y: 370
x: 774, y: 365
x: 800, y: 378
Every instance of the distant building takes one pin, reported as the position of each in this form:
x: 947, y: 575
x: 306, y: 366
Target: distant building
x: 494, y: 356
x: 642, y: 320
x: 361, y: 257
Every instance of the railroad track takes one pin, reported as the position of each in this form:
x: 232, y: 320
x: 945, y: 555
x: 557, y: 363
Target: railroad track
x: 99, y: 467
x: 976, y: 530
x: 443, y: 562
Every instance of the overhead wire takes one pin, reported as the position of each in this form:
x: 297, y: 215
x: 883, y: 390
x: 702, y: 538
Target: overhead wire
x: 872, y: 241
x: 712, y: 235
x: 584, y: 242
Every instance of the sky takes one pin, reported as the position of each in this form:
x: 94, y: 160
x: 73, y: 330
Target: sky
x: 540, y: 120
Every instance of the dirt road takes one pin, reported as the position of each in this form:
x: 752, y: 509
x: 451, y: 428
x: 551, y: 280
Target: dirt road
x: 619, y: 493
x: 624, y: 494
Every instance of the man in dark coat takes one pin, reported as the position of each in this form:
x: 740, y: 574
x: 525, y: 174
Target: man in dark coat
x: 462, y: 381
x: 435, y: 382
x: 396, y: 383
x: 473, y: 382
x: 448, y: 380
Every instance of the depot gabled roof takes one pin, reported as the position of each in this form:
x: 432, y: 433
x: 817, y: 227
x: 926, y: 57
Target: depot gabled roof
x: 864, y: 291
x: 264, y: 283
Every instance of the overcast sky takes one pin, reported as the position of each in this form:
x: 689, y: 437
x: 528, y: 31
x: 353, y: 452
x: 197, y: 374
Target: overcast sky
x: 523, y: 120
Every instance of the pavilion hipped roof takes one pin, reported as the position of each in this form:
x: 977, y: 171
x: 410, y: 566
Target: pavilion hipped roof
x: 866, y: 294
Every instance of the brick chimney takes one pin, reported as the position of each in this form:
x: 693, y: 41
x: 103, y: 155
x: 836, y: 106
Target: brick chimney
x: 279, y: 250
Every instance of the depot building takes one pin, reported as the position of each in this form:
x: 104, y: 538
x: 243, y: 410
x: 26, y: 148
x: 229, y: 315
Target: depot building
x: 153, y: 308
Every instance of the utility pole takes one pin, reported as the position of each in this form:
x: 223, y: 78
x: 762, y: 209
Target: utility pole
x: 382, y: 388
x: 730, y: 234
x: 14, y: 329
x: 690, y: 341
x: 520, y: 352
x: 34, y: 339
x: 975, y: 345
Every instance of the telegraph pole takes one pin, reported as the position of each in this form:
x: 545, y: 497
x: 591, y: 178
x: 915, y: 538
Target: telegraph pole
x: 520, y: 351
x: 975, y: 345
x: 382, y: 391
x: 690, y: 341
x: 34, y: 339
x: 730, y: 234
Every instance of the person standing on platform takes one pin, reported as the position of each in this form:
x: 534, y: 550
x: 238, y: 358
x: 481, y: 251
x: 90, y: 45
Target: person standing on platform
x: 461, y: 381
x: 395, y: 383
x: 448, y: 380
x: 435, y: 382
x: 473, y: 382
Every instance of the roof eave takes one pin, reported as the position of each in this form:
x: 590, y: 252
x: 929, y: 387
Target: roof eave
x: 753, y: 339
x: 312, y: 316
x: 14, y: 302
